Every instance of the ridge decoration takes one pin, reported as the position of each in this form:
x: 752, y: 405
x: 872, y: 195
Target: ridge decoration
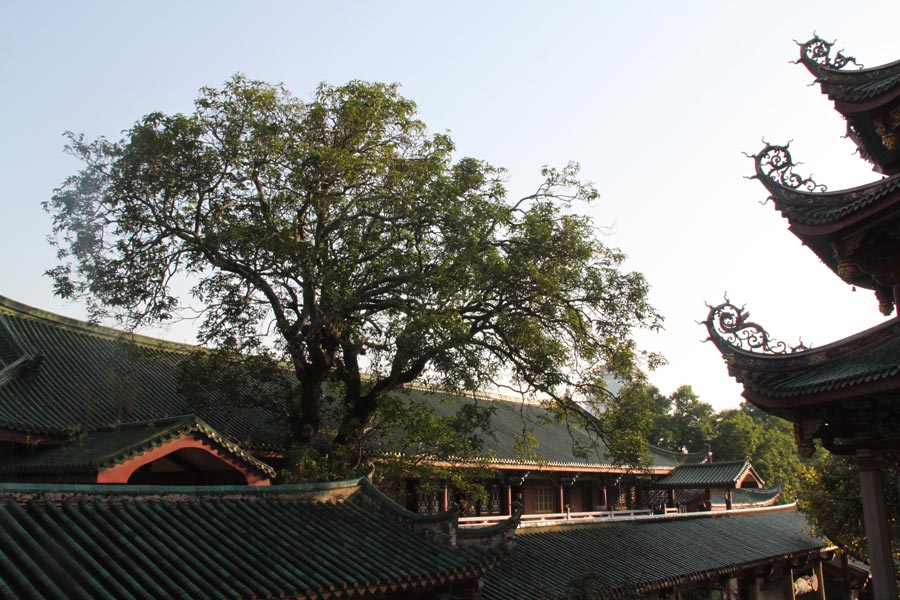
x: 818, y: 52
x: 774, y: 164
x: 731, y: 325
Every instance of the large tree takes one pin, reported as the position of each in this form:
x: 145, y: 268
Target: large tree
x: 341, y: 236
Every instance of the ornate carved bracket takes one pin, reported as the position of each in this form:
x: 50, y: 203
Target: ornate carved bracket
x: 816, y: 53
x: 775, y: 165
x: 730, y: 325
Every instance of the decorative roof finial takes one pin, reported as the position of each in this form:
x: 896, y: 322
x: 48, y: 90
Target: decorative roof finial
x: 729, y: 325
x: 816, y: 53
x: 775, y: 165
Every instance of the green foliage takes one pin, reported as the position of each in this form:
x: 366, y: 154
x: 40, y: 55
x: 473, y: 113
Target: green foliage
x: 627, y: 421
x: 766, y: 441
x: 339, y: 236
x: 692, y: 421
x: 737, y: 436
x: 683, y: 421
x: 830, y: 498
x: 776, y: 458
x: 660, y: 407
x: 408, y: 441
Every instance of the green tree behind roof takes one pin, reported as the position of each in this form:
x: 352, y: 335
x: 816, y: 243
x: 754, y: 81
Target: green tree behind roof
x: 340, y: 236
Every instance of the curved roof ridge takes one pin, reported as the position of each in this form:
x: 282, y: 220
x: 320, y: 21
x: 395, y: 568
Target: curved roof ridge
x: 763, y: 494
x: 816, y: 56
x: 802, y: 200
x: 833, y: 73
x: 853, y: 343
x: 708, y: 475
x: 65, y: 491
x: 106, y: 447
x: 401, y: 512
x: 476, y: 394
x: 13, y: 307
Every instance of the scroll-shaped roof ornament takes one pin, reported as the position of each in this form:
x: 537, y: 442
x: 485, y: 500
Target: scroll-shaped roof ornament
x: 774, y: 166
x: 817, y: 53
x: 729, y: 326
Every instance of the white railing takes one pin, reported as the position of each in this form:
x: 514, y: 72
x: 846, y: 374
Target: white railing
x: 558, y: 518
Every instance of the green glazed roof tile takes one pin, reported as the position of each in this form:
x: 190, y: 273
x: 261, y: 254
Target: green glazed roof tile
x: 748, y: 497
x: 625, y: 559
x: 216, y: 542
x: 554, y: 439
x: 93, y: 377
x: 859, y: 85
x: 723, y: 474
x: 823, y: 208
x: 91, y: 452
x: 868, y: 356
x: 72, y: 374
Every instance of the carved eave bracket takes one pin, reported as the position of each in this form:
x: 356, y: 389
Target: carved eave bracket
x: 775, y: 169
x: 730, y: 328
x: 818, y: 54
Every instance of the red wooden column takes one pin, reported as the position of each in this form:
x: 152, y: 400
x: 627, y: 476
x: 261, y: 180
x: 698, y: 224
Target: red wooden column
x: 884, y: 587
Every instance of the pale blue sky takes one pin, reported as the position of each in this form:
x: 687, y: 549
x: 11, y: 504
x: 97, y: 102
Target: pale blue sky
x: 656, y: 100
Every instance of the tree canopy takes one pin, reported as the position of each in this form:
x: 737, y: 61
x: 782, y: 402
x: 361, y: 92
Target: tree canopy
x: 831, y: 499
x: 681, y: 422
x: 684, y: 422
x: 342, y: 237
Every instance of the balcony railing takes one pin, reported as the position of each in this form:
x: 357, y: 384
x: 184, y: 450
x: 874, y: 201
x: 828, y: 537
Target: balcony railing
x: 538, y: 519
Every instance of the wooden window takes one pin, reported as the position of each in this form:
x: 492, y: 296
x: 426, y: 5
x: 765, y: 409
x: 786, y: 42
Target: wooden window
x: 543, y: 499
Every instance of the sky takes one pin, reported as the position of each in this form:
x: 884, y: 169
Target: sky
x: 658, y: 102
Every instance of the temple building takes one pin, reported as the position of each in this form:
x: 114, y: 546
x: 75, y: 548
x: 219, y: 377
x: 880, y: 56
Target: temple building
x: 81, y: 403
x: 845, y: 394
x: 763, y: 554
x: 113, y: 485
x: 728, y: 483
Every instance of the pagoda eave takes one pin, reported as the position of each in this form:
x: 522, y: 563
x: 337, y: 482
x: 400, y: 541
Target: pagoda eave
x: 852, y: 231
x: 864, y: 107
x: 784, y: 405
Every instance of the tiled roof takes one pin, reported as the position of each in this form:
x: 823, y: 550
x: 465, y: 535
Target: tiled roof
x: 78, y: 375
x: 105, y: 448
x: 625, y: 559
x: 61, y: 374
x: 817, y: 216
x: 866, y: 357
x: 722, y: 474
x: 553, y: 438
x: 302, y: 541
x: 823, y: 208
x: 748, y: 497
x: 842, y: 83
x: 877, y: 363
x: 857, y: 85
